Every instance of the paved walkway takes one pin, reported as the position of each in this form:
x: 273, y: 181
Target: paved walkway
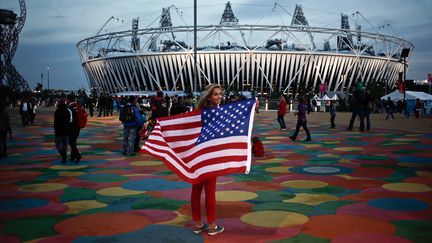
x: 341, y: 187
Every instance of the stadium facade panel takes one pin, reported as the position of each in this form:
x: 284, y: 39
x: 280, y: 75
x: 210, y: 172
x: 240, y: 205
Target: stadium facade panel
x: 260, y: 71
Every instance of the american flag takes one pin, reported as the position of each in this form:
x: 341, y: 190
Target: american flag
x: 205, y: 143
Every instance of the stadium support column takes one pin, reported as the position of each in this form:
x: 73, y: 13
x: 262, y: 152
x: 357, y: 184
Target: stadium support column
x: 195, y: 48
x: 48, y: 76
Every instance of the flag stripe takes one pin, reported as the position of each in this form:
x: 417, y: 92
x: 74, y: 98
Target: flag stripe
x: 182, y: 126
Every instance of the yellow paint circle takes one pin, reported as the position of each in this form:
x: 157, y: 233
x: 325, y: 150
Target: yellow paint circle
x: 274, y: 219
x: 405, y: 139
x: 235, y: 196
x: 78, y: 206
x: 345, y: 161
x: 117, y: 191
x: 407, y: 187
x: 271, y: 161
x: 279, y: 169
x: 332, y: 142
x: 146, y: 163
x: 43, y: 187
x: 311, y: 199
x: 304, y: 184
x: 328, y: 156
x: 348, y: 149
x: 70, y: 173
x: 68, y: 167
x: 138, y: 174
x: 311, y: 145
x: 424, y: 173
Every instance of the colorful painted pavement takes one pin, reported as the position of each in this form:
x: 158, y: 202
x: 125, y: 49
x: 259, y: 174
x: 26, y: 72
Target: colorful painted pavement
x: 341, y: 187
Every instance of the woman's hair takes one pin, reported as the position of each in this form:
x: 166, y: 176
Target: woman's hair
x: 255, y: 139
x: 203, y: 102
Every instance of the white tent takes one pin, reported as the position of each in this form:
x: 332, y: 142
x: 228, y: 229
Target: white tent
x: 410, y: 98
x: 334, y: 97
x: 325, y: 98
x: 410, y: 95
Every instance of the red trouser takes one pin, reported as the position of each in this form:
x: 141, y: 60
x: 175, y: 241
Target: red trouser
x: 210, y: 200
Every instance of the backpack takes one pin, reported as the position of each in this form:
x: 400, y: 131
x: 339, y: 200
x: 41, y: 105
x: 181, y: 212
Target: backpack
x: 126, y: 114
x: 81, y: 116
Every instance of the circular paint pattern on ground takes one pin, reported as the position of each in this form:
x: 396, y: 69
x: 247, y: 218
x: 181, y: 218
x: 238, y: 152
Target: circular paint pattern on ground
x: 407, y: 187
x: 68, y: 167
x: 331, y: 226
x: 118, y: 192
x: 275, y: 219
x: 369, y: 237
x: 398, y: 204
x: 235, y: 196
x: 311, y: 199
x: 146, y: 163
x: 43, y: 187
x: 21, y: 204
x: 78, y: 206
x: 348, y: 149
x: 154, y: 184
x: 321, y: 170
x: 102, y: 224
x: 304, y: 184
x: 279, y: 169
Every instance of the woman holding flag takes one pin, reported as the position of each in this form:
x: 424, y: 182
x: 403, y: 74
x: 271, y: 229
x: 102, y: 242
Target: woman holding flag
x: 200, y: 145
x: 211, y: 97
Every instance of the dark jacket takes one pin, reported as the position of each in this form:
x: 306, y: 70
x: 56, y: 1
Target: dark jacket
x: 61, y: 122
x: 5, y: 123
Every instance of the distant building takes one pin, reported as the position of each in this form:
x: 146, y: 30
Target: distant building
x: 263, y: 58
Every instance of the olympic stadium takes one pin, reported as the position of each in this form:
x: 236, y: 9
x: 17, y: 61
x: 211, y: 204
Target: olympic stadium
x: 264, y: 58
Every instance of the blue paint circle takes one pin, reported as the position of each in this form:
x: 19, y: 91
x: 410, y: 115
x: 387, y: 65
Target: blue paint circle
x: 21, y: 204
x: 321, y: 170
x: 154, y: 184
x: 398, y: 204
x: 413, y: 159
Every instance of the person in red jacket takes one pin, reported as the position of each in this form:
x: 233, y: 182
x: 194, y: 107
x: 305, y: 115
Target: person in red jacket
x: 281, y: 113
x: 257, y: 147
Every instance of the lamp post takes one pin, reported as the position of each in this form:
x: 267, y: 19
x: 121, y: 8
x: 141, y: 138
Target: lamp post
x: 48, y: 71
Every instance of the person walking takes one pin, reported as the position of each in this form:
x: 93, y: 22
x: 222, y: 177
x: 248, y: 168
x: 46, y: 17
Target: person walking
x: 5, y: 129
x: 281, y: 112
x: 332, y: 110
x: 74, y: 129
x: 358, y: 107
x: 368, y: 108
x: 25, y: 111
x: 131, y: 118
x: 301, y: 120
x: 211, y: 97
x: 61, y: 129
x: 389, y: 106
x: 417, y: 108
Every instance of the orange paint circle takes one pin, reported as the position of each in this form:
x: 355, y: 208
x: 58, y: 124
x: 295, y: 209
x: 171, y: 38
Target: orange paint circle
x: 330, y: 226
x: 102, y: 224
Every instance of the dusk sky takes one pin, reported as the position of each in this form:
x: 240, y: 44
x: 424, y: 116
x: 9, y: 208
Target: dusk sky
x: 53, y: 27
